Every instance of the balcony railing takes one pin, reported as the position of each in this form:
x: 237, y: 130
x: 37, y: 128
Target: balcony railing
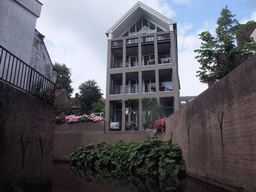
x: 131, y: 89
x: 116, y: 90
x: 17, y: 73
x: 166, y: 86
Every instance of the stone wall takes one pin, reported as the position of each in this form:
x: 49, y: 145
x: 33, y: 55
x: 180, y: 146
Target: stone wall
x: 68, y: 137
x: 217, y: 130
x: 26, y: 137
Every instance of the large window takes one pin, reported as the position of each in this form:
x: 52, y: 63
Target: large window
x: 142, y: 26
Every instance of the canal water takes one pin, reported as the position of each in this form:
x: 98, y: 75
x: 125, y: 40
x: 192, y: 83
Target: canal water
x: 65, y: 181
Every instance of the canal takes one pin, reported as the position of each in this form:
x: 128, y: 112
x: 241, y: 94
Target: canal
x: 64, y: 181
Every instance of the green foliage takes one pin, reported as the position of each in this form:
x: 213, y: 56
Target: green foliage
x: 159, y: 159
x: 219, y: 55
x: 61, y: 108
x: 98, y: 107
x: 131, y: 103
x: 89, y: 93
x: 151, y: 104
x: 63, y: 78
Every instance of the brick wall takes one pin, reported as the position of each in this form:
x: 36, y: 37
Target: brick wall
x: 26, y: 136
x: 217, y: 130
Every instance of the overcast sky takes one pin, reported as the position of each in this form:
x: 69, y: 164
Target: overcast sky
x: 75, y: 33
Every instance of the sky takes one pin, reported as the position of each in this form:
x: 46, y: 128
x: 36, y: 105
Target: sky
x: 75, y: 33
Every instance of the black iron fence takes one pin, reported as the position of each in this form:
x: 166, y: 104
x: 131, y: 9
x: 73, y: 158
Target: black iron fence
x: 19, y: 74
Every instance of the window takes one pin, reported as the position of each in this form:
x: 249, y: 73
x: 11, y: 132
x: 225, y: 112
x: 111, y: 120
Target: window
x: 151, y: 26
x: 142, y: 26
x: 148, y: 60
x: 149, y: 85
x: 132, y: 30
x: 147, y: 39
x: 132, y: 61
x: 132, y: 41
x: 132, y: 86
x: 138, y: 24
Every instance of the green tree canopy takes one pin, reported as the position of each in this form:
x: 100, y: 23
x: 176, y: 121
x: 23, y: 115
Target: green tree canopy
x: 63, y: 77
x: 219, y: 55
x: 98, y: 107
x: 89, y: 93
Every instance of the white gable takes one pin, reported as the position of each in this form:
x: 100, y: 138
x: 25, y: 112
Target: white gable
x: 137, y: 12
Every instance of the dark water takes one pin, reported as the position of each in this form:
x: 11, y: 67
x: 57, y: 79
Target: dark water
x: 65, y: 181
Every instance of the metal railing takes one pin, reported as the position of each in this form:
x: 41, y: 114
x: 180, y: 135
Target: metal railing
x: 19, y: 74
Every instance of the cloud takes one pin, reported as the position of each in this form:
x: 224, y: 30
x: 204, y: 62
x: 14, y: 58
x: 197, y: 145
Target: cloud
x: 181, y: 1
x: 188, y: 41
x: 253, y: 17
x: 75, y: 33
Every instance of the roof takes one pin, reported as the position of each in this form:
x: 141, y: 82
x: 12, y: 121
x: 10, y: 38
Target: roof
x: 135, y: 13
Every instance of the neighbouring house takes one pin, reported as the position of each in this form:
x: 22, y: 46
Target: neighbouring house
x: 142, y: 62
x: 75, y: 104
x: 40, y: 58
x: 250, y: 32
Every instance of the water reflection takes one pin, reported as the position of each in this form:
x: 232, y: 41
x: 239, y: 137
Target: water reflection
x: 84, y: 181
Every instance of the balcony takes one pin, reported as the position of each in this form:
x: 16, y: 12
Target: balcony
x: 116, y: 90
x: 132, y: 61
x: 116, y: 87
x: 166, y: 86
x: 162, y: 59
x: 148, y: 60
x: 165, y: 80
x: 116, y: 56
x: 164, y: 37
x: 132, y: 54
x: 130, y: 89
x: 132, y: 83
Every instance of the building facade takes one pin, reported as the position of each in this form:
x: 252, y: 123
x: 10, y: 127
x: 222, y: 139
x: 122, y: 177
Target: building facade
x: 19, y: 36
x: 142, y: 62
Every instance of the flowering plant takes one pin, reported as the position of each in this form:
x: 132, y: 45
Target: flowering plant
x: 75, y: 119
x: 130, y: 124
x: 60, y: 119
x: 160, y: 125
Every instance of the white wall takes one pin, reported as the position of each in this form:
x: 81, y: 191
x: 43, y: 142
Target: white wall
x: 17, y: 26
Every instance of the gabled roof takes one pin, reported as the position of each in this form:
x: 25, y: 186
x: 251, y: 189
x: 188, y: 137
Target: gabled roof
x: 135, y: 13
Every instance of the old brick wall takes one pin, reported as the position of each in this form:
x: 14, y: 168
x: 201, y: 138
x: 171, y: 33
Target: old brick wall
x: 26, y: 136
x: 217, y: 130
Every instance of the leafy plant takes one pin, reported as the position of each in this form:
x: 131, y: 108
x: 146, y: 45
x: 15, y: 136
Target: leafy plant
x: 154, y: 158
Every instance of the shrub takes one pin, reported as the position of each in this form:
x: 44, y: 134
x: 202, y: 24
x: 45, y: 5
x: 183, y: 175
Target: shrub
x: 160, y: 125
x: 75, y: 119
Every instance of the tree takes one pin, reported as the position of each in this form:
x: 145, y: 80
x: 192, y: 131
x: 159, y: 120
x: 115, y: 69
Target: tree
x: 98, y: 107
x: 219, y: 55
x: 89, y: 94
x: 63, y: 77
